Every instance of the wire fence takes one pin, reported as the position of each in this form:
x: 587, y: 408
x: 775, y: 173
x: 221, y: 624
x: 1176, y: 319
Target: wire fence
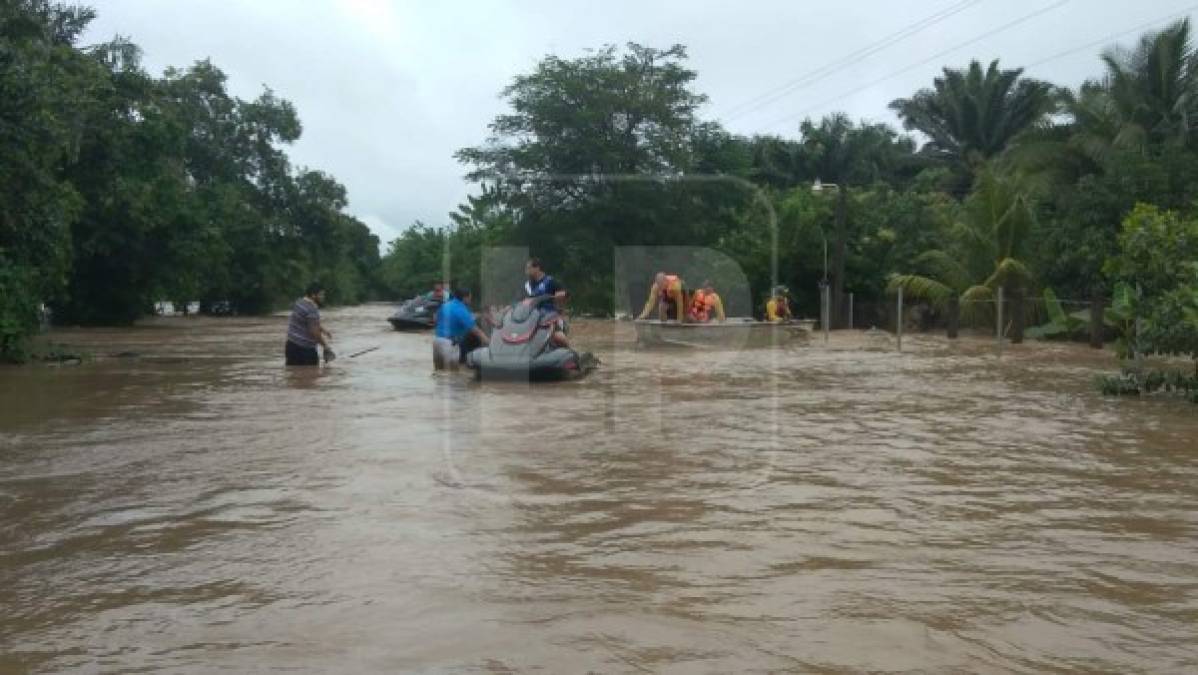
x: 1007, y: 318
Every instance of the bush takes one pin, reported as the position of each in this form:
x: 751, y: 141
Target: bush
x: 19, y: 310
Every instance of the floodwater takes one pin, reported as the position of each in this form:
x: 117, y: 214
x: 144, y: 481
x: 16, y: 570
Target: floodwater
x: 836, y: 509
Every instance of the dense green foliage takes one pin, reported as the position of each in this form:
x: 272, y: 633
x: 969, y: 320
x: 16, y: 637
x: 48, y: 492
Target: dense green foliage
x: 1021, y: 185
x: 121, y: 189
x: 985, y: 248
x: 1158, y: 256
x: 974, y: 115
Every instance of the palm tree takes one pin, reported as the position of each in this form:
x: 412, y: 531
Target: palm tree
x: 1154, y: 88
x: 841, y: 152
x: 1148, y: 97
x: 972, y: 115
x: 1146, y: 101
x: 982, y: 252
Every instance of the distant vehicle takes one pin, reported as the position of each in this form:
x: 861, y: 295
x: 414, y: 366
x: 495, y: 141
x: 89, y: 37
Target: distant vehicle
x: 419, y: 313
x: 219, y: 308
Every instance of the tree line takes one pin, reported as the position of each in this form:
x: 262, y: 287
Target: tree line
x: 1009, y: 182
x: 121, y: 188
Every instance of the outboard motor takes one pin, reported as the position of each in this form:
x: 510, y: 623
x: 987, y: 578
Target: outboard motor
x: 521, y: 350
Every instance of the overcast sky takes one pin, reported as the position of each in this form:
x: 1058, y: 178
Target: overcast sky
x: 388, y: 89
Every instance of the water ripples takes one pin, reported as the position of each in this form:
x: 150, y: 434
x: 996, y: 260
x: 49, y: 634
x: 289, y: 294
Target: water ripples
x: 818, y: 509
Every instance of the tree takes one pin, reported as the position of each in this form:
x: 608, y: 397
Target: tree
x: 1156, y: 270
x: 775, y: 162
x: 1147, y: 99
x: 44, y: 87
x: 121, y: 188
x: 596, y: 153
x: 1154, y: 88
x: 838, y: 151
x: 974, y: 115
x: 984, y: 250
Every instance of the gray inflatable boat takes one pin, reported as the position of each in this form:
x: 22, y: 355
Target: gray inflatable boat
x: 521, y: 350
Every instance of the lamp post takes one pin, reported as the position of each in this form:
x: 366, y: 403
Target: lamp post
x: 817, y: 187
x: 825, y: 288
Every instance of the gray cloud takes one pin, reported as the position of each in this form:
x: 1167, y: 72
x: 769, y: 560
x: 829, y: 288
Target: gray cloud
x: 388, y: 90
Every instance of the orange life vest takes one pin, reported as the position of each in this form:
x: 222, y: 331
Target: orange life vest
x: 701, y: 305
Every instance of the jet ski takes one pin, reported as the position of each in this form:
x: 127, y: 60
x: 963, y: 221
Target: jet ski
x: 520, y: 349
x: 419, y: 313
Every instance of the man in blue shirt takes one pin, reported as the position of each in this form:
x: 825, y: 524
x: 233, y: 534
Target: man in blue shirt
x: 455, y: 325
x: 541, y: 285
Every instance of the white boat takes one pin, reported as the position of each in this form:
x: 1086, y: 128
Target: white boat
x: 734, y: 333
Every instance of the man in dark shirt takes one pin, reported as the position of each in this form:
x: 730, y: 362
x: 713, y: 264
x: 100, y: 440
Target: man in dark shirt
x: 304, y: 330
x: 552, y: 294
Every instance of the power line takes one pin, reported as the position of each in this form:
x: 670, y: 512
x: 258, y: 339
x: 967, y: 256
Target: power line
x: 1111, y: 38
x: 1011, y: 24
x: 843, y: 62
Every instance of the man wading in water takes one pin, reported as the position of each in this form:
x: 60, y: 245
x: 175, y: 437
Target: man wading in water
x: 456, y: 333
x: 304, y: 331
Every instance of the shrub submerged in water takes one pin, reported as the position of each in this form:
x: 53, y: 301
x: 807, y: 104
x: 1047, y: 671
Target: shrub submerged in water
x: 1133, y: 383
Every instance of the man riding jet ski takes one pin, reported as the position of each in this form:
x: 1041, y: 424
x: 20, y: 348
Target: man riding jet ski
x: 529, y: 342
x: 420, y: 312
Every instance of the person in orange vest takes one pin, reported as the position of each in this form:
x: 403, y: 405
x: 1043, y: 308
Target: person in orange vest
x: 668, y: 294
x: 704, y: 302
x: 777, y: 310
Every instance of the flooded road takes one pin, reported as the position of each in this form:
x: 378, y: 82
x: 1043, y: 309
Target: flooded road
x: 836, y: 508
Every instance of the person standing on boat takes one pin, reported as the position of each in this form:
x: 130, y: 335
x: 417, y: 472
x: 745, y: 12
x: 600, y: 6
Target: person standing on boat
x: 668, y: 294
x: 777, y: 310
x: 552, y: 294
x: 304, y: 330
x: 456, y: 332
x: 704, y: 303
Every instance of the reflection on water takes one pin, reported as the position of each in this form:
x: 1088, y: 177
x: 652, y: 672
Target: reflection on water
x: 819, y: 509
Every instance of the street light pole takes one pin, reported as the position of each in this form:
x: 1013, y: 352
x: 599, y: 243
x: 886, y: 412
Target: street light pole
x: 817, y: 187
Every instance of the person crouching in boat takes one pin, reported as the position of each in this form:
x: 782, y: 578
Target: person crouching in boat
x: 704, y: 304
x: 456, y: 333
x: 777, y: 309
x: 668, y: 294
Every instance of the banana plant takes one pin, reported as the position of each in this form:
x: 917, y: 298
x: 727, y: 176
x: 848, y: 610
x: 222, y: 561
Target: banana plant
x: 1119, y: 315
x: 1059, y: 323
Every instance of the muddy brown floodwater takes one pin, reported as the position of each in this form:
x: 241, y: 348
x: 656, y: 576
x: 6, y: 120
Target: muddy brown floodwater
x: 837, y: 508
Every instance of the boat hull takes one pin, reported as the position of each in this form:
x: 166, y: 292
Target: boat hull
x: 731, y: 334
x: 407, y: 324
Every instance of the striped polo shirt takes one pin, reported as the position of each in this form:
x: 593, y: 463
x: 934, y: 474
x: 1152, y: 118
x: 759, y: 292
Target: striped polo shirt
x: 298, y: 330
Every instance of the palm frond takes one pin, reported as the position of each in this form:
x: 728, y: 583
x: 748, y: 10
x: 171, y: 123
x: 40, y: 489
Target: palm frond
x: 916, y: 287
x: 977, y: 304
x: 944, y: 267
x: 1010, y: 272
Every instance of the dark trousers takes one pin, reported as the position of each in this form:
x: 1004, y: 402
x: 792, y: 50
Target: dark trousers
x: 468, y: 343
x: 301, y: 356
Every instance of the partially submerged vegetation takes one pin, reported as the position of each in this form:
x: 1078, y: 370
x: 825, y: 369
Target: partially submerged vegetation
x: 119, y: 188
x: 1072, y: 202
